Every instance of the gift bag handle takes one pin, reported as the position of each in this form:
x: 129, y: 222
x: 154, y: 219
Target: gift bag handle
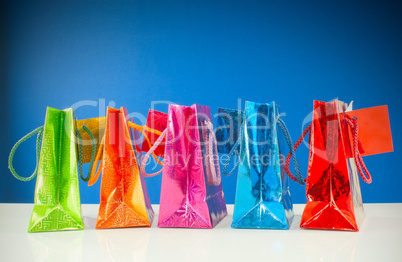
x: 95, y: 172
x: 215, y: 180
x: 160, y: 139
x: 148, y: 154
x: 141, y: 129
x: 292, y: 152
x: 225, y: 164
x: 354, y: 126
x: 38, y: 131
x: 91, y: 163
x: 298, y: 142
x: 288, y: 141
x: 361, y: 167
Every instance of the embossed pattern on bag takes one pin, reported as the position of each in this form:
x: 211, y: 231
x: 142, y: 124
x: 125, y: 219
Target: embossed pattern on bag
x: 191, y: 194
x: 57, y: 197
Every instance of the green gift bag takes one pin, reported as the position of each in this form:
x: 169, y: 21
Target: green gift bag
x: 57, y: 196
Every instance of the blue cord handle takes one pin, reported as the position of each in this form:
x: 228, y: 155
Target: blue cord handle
x: 288, y: 139
x: 230, y: 155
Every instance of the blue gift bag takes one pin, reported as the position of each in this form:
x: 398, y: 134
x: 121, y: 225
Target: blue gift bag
x: 262, y: 195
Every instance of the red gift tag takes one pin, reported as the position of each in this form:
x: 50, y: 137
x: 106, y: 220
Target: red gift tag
x: 374, y: 130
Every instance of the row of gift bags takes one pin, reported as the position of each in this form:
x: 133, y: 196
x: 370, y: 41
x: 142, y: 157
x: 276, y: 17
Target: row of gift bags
x: 191, y: 192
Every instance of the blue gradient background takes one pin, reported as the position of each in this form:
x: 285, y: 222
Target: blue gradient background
x: 57, y: 53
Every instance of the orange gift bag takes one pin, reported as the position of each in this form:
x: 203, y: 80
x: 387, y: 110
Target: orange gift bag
x: 124, y: 200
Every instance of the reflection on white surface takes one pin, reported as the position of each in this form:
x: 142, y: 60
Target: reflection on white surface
x: 182, y: 244
x: 378, y: 240
x: 129, y: 244
x: 89, y: 222
x: 338, y: 246
x: 56, y: 246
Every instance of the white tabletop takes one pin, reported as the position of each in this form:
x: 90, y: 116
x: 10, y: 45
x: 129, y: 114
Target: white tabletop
x: 380, y: 239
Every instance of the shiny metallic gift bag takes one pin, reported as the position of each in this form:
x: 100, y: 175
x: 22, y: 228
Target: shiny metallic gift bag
x: 191, y: 193
x: 124, y: 200
x: 262, y: 194
x: 57, y: 197
x: 334, y: 199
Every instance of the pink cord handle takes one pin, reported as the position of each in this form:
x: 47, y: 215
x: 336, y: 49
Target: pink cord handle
x: 212, y: 169
x: 148, y: 154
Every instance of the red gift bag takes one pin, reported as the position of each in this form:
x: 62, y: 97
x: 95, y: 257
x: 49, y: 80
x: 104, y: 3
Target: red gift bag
x: 334, y: 199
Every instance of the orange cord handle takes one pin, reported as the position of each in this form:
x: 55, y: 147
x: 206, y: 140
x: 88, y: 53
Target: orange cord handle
x: 95, y: 172
x: 141, y: 129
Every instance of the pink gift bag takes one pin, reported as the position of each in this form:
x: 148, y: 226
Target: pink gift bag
x: 191, y: 193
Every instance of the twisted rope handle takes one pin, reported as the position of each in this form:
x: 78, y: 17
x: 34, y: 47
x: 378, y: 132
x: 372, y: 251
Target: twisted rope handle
x: 91, y: 163
x: 148, y: 154
x: 361, y: 167
x: 95, y: 172
x: 354, y: 126
x: 230, y: 155
x: 288, y: 139
x: 212, y: 172
x: 38, y: 130
x: 298, y: 142
x: 141, y: 129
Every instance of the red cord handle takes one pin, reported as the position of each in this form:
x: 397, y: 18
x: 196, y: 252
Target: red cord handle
x: 361, y: 167
x: 352, y: 122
